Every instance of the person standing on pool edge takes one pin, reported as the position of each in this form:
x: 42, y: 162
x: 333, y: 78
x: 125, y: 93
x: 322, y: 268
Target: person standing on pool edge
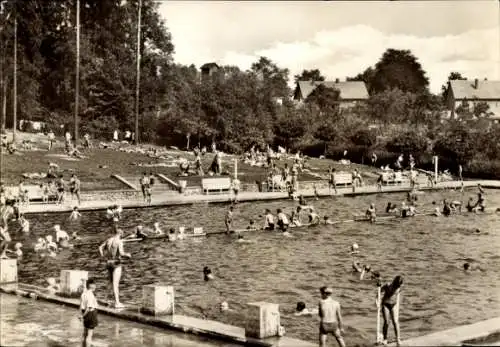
x: 330, y: 318
x: 88, y: 306
x: 390, y: 306
x: 112, y: 249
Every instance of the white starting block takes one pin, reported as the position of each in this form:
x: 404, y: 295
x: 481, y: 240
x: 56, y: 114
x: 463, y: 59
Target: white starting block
x: 8, y: 271
x: 158, y: 300
x: 262, y: 320
x: 73, y: 282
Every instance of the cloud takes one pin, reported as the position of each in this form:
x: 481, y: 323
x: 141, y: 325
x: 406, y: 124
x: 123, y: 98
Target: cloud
x: 349, y: 50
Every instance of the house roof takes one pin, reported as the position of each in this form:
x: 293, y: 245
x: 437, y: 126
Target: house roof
x: 209, y: 66
x: 464, y: 89
x: 354, y: 90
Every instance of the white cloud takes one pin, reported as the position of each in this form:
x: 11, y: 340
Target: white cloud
x: 349, y: 50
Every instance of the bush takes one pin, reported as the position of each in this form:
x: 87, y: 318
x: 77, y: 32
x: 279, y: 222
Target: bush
x: 356, y: 154
x: 315, y: 149
x: 485, y: 169
x: 364, y: 137
x: 408, y: 142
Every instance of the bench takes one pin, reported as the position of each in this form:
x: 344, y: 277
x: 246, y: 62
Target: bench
x: 342, y: 179
x: 393, y: 178
x: 35, y: 193
x: 216, y: 185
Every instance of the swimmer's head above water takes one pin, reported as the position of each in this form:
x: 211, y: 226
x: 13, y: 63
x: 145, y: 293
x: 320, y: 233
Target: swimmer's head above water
x: 301, y: 306
x: 466, y: 266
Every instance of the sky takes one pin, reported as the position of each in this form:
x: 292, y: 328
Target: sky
x: 339, y: 38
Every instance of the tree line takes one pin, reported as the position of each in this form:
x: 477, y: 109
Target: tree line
x: 235, y: 108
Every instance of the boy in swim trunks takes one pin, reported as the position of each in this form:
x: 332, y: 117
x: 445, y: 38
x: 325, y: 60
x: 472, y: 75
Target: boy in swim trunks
x: 74, y: 187
x: 330, y: 318
x: 313, y: 218
x: 112, y: 250
x: 4, y: 241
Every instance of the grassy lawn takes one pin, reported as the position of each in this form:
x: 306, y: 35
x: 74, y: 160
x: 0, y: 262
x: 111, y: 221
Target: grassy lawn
x: 96, y: 169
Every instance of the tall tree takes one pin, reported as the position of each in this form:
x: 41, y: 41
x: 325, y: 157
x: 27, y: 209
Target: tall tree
x: 399, y: 69
x: 309, y: 75
x: 274, y: 78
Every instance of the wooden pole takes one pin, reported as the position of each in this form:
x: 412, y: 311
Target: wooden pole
x: 436, y: 168
x: 77, y: 77
x: 235, y: 168
x: 379, y: 305
x: 138, y: 73
x: 14, y: 128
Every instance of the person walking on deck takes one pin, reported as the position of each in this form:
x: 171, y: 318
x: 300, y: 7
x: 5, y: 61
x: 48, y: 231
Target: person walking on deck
x: 112, y: 250
x: 74, y: 187
x: 88, y: 307
x: 330, y: 318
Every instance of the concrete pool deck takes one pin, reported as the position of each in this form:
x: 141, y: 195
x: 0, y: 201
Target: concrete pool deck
x: 206, y: 328
x: 457, y: 336
x: 180, y: 199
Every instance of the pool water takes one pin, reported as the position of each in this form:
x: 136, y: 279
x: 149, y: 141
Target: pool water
x: 26, y: 322
x: 428, y: 252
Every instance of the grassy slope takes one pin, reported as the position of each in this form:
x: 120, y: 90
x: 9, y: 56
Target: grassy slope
x: 95, y: 178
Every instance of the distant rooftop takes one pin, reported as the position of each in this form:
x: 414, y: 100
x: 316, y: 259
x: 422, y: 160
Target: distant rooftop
x: 466, y: 89
x: 349, y: 90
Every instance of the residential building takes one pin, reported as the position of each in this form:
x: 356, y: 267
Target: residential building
x: 351, y: 92
x: 470, y: 92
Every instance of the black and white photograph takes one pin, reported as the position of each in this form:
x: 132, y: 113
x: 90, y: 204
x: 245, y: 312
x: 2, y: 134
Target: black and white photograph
x: 249, y: 173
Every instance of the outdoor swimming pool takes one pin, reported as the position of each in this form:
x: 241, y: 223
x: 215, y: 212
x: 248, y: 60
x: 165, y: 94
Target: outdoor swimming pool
x: 428, y: 251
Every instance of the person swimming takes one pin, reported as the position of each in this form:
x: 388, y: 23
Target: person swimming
x: 51, y: 246
x: 456, y: 206
x: 181, y: 234
x: 207, y: 274
x: 314, y: 218
x: 62, y: 237
x: 241, y: 239
x: 171, y: 235
x: 412, y: 210
x: 302, y: 310
x: 295, y: 220
x: 446, y: 208
x: 371, y: 214
x: 157, y: 229
x: 269, y: 221
x: 140, y: 233
x: 354, y: 248
x: 480, y: 206
x: 470, y: 205
x: 251, y: 225
x: 390, y: 208
x: 437, y: 211
x: 283, y: 222
x: 75, y: 214
x: 404, y: 210
x: 40, y: 246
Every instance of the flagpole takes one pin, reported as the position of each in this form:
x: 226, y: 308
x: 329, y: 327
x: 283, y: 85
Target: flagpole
x: 15, y: 81
x: 77, y: 77
x: 138, y: 73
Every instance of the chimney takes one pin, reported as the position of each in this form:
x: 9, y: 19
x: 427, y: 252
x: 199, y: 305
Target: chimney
x: 337, y: 80
x: 476, y: 83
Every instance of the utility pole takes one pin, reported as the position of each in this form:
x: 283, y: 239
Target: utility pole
x: 14, y: 128
x: 138, y: 74
x: 77, y: 78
